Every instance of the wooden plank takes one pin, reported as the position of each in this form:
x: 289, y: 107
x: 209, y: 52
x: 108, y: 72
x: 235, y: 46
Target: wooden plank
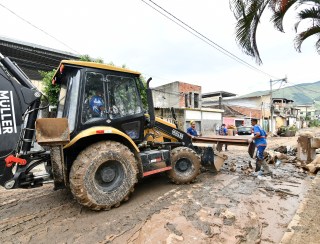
x: 230, y: 140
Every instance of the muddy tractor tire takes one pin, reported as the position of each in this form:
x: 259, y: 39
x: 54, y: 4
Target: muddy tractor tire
x: 185, y: 165
x: 103, y: 175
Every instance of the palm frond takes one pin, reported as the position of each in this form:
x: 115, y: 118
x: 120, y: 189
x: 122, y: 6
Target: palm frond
x: 237, y: 7
x: 318, y: 46
x: 312, y: 13
x: 308, y: 2
x: 248, y: 17
x: 249, y: 12
x: 280, y: 8
x: 314, y: 30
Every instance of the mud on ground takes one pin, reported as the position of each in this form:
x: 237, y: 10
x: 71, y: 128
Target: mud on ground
x: 231, y: 206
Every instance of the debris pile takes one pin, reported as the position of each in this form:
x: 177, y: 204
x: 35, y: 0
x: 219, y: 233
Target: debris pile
x: 305, y: 156
x: 314, y: 166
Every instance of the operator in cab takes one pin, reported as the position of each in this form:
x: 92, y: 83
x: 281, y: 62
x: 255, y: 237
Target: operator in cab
x: 97, y: 104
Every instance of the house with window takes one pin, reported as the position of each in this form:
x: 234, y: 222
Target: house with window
x: 307, y: 111
x: 278, y: 111
x: 181, y: 103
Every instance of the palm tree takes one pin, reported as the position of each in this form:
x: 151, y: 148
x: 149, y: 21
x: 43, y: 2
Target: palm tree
x: 249, y: 12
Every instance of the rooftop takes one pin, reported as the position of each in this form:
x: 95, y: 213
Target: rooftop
x: 31, y: 57
x: 218, y: 93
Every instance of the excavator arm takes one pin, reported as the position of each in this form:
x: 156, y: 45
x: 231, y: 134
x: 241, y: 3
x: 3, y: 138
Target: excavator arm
x: 19, y: 105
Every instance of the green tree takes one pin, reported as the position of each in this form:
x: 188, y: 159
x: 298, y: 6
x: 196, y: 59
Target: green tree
x: 87, y: 58
x: 52, y: 91
x: 142, y: 87
x: 143, y: 92
x: 248, y: 14
x: 49, y: 90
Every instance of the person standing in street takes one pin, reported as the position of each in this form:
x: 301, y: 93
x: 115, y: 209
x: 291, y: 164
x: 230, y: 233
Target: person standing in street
x: 260, y: 141
x: 224, y: 132
x: 217, y: 129
x: 191, y: 131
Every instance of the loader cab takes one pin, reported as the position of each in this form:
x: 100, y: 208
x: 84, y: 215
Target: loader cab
x: 93, y: 94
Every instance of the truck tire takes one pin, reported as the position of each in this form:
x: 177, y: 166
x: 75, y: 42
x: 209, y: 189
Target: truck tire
x: 185, y: 165
x: 103, y: 175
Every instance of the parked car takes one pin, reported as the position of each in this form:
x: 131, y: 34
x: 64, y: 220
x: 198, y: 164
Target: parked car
x: 244, y: 130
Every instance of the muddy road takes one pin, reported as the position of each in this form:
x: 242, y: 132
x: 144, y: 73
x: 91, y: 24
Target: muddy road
x: 231, y: 206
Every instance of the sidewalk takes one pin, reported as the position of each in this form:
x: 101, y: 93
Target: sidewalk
x: 304, y: 226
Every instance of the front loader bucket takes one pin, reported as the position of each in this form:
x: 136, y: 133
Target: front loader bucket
x: 52, y: 131
x: 210, y: 159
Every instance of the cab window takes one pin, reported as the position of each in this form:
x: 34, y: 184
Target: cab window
x: 94, y: 102
x: 124, y: 96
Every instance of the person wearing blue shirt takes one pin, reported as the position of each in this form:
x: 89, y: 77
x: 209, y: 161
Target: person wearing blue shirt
x: 97, y: 104
x: 224, y: 132
x: 191, y: 131
x: 260, y: 141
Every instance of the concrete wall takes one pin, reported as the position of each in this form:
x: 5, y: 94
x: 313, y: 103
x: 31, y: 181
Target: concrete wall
x: 189, y: 90
x: 250, y: 102
x: 38, y: 84
x: 166, y: 96
x: 165, y: 113
x: 175, y: 94
x: 205, y: 120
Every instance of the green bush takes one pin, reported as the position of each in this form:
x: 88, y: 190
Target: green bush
x: 314, y: 123
x: 287, y: 130
x: 293, y: 128
x: 49, y: 90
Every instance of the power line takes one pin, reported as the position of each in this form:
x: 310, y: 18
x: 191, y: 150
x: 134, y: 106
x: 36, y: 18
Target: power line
x: 203, y: 37
x: 166, y: 92
x: 28, y: 22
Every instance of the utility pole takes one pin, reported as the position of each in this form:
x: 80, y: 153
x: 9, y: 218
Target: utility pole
x: 271, y: 101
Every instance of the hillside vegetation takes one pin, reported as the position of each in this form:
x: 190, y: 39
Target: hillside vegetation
x: 301, y: 94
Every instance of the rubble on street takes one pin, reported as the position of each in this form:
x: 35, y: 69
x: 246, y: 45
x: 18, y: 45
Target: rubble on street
x: 229, y: 206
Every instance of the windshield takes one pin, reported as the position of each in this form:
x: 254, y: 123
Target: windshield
x: 109, y: 96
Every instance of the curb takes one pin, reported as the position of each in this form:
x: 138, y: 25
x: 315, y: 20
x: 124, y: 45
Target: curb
x: 290, y: 233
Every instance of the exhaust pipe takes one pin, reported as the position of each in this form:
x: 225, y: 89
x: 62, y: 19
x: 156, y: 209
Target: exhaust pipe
x: 150, y: 104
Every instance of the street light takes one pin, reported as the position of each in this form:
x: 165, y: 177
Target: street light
x: 271, y: 101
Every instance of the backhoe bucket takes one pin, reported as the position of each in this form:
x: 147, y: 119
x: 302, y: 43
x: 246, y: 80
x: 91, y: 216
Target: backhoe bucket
x: 219, y: 159
x: 52, y: 131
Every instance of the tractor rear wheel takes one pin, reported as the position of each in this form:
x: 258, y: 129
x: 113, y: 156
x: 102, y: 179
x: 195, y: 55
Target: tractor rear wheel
x: 185, y: 165
x: 103, y: 175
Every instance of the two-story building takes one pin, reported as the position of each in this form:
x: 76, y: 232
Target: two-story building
x: 259, y: 105
x: 285, y: 112
x: 185, y: 101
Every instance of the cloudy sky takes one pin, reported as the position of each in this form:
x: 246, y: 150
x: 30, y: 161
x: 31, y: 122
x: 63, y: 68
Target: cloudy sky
x: 130, y: 32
